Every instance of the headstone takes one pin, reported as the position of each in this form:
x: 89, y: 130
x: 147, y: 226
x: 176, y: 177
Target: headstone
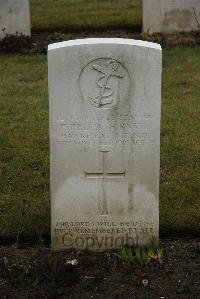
x: 14, y: 17
x: 105, y: 99
x: 169, y: 16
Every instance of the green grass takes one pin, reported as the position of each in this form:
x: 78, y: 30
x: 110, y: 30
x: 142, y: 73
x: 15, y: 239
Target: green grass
x: 79, y: 15
x: 24, y: 151
x: 180, y: 142
x: 24, y: 161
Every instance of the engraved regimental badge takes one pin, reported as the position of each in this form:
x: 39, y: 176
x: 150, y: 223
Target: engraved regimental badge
x: 104, y: 82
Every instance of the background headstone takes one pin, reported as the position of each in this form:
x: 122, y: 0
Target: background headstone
x: 171, y: 16
x: 14, y: 17
x: 105, y: 99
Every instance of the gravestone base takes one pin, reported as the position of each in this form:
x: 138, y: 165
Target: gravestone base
x: 104, y: 232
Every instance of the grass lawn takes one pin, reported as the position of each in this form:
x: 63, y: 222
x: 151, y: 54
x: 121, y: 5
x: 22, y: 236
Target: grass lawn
x: 79, y: 15
x: 24, y: 156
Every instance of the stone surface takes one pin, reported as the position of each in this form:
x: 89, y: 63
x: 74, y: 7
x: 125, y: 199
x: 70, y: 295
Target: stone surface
x: 14, y: 17
x: 105, y: 99
x: 171, y: 15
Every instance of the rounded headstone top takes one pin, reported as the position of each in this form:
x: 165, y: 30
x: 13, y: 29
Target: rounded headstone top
x: 93, y: 41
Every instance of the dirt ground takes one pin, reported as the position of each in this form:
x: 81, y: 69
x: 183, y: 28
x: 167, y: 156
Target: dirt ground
x: 36, y: 272
x: 38, y: 43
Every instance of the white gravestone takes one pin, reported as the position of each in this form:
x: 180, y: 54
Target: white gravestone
x: 171, y: 16
x: 105, y: 99
x: 14, y: 17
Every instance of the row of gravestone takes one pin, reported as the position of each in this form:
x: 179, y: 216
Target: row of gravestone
x: 158, y: 16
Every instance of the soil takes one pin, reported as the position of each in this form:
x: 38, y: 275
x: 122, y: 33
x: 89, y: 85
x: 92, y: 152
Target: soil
x: 36, y: 272
x: 38, y: 43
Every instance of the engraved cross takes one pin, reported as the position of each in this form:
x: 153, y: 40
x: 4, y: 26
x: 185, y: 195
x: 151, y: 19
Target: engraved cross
x: 104, y: 175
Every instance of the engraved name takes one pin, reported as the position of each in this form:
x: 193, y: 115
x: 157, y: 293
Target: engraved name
x: 126, y: 130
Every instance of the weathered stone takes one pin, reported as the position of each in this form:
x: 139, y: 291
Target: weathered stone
x: 105, y: 142
x: 14, y: 17
x: 169, y: 16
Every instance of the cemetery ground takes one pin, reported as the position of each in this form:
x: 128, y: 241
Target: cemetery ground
x: 24, y: 187
x: 36, y: 272
x: 28, y: 269
x: 25, y: 209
